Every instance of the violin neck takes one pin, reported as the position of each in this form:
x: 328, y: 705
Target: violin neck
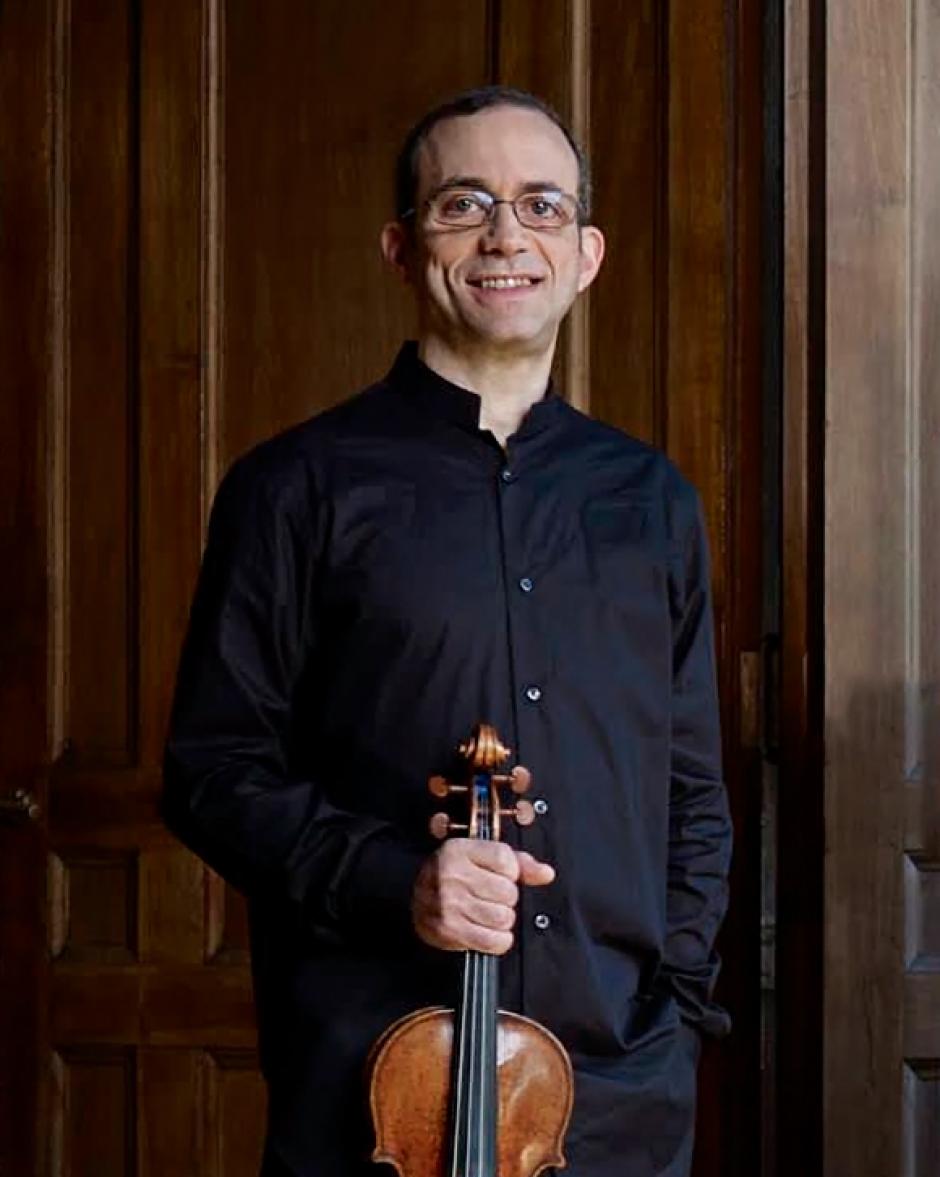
x: 474, y: 1087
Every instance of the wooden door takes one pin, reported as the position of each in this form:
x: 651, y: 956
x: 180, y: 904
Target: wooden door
x: 860, y: 924
x: 196, y: 190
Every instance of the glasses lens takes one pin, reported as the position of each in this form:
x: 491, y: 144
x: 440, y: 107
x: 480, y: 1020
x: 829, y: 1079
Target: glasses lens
x: 546, y: 210
x: 457, y: 206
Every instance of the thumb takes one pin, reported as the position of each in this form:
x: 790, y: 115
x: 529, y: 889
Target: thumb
x: 532, y: 872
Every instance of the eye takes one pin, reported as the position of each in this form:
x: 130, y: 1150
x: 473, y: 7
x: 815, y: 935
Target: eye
x: 545, y: 206
x: 460, y: 205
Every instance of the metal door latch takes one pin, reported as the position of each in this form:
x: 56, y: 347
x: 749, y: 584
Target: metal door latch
x: 18, y: 806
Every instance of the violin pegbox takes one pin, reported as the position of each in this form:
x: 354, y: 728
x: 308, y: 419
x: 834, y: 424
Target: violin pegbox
x: 481, y: 758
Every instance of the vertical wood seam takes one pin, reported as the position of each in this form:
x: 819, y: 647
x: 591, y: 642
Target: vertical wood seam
x: 57, y: 449
x: 913, y: 733
x: 735, y: 257
x: 212, y: 250
x: 578, y: 355
x: 133, y: 438
x: 661, y: 231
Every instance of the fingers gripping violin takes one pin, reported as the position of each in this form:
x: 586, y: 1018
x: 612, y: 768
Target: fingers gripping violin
x: 479, y: 1092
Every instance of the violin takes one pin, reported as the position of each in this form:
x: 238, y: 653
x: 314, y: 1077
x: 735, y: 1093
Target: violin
x: 481, y: 1092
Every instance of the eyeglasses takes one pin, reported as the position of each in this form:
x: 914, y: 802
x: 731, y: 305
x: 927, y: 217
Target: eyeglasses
x: 469, y: 208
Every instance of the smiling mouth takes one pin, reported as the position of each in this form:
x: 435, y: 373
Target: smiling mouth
x: 507, y: 283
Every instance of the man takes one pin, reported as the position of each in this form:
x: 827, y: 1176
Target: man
x: 453, y: 545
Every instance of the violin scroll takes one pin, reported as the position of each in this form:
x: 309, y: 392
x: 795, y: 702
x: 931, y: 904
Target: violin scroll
x: 482, y: 755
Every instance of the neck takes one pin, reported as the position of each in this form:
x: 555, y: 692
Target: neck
x: 508, y: 384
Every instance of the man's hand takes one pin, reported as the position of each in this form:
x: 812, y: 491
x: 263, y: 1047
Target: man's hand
x: 466, y: 893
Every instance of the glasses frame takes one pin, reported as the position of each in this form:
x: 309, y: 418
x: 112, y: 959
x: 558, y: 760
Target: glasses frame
x: 494, y: 202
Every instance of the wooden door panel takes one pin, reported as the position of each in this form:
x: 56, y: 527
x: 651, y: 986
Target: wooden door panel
x: 218, y: 175
x: 93, y: 1111
x: 629, y: 143
x: 881, y: 606
x: 99, y: 70
x: 309, y: 312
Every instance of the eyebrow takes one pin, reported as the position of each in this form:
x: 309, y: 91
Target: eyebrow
x: 479, y: 183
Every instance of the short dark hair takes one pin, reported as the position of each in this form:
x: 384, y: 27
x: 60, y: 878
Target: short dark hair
x: 470, y: 102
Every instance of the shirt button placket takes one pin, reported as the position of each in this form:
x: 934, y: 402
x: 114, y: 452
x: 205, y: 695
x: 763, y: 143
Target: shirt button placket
x: 525, y: 660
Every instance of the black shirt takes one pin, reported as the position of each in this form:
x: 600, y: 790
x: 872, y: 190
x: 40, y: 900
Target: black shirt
x: 377, y: 581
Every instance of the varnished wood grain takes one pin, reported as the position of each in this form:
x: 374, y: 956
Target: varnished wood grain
x: 867, y: 558
x: 629, y: 80
x: 102, y: 295
x: 26, y: 722
x: 171, y: 357
x: 235, y: 1114
x: 94, y: 1112
x: 410, y: 1084
x: 799, y: 900
x: 152, y: 1005
x: 212, y: 263
x: 310, y: 314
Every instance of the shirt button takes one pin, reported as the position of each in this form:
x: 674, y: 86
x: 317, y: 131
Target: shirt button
x: 533, y: 694
x: 506, y: 474
x: 541, y: 921
x: 526, y: 585
x: 540, y: 805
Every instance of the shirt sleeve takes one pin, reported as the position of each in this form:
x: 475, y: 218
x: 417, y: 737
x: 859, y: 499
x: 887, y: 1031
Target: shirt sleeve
x: 699, y: 823
x: 231, y: 790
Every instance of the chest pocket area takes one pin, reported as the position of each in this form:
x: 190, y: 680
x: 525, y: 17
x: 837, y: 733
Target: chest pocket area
x: 622, y: 551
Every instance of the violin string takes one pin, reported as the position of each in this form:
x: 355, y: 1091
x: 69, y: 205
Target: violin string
x: 458, y: 1162
x: 475, y: 1107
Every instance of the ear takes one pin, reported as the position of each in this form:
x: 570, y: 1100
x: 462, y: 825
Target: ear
x: 396, y: 248
x: 592, y: 254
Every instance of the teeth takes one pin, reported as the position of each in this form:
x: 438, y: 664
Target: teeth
x: 504, y: 283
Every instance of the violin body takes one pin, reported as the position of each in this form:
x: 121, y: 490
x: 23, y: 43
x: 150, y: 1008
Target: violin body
x: 476, y: 1092
x: 411, y: 1076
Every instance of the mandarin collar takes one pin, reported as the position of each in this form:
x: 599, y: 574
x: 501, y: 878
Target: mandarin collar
x: 453, y: 403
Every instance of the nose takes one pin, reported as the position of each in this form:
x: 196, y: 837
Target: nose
x: 503, y: 232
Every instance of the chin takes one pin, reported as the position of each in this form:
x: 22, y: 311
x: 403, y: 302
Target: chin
x: 517, y: 336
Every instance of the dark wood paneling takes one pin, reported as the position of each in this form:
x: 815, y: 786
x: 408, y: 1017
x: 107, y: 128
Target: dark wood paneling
x: 921, y: 1016
x: 172, y: 907
x: 173, y: 1091
x: 799, y: 926
x: 102, y: 293
x: 698, y: 312
x: 156, y: 1005
x: 237, y: 1103
x: 629, y: 110
x: 870, y: 586
x: 309, y: 314
x: 226, y: 923
x: 170, y: 432
x: 532, y: 43
x: 27, y: 721
x: 97, y: 907
x: 94, y: 1113
x: 223, y: 176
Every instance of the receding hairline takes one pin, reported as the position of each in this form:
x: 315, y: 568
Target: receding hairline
x: 424, y: 146
x: 475, y: 101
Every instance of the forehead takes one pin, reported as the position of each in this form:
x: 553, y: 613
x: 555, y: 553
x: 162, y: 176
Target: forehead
x: 505, y: 146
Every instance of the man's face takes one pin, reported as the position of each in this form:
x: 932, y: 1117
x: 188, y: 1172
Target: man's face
x: 504, y: 151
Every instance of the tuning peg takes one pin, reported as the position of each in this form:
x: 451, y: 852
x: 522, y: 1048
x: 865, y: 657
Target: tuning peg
x: 518, y: 780
x: 441, y: 825
x: 440, y: 786
x: 522, y: 811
